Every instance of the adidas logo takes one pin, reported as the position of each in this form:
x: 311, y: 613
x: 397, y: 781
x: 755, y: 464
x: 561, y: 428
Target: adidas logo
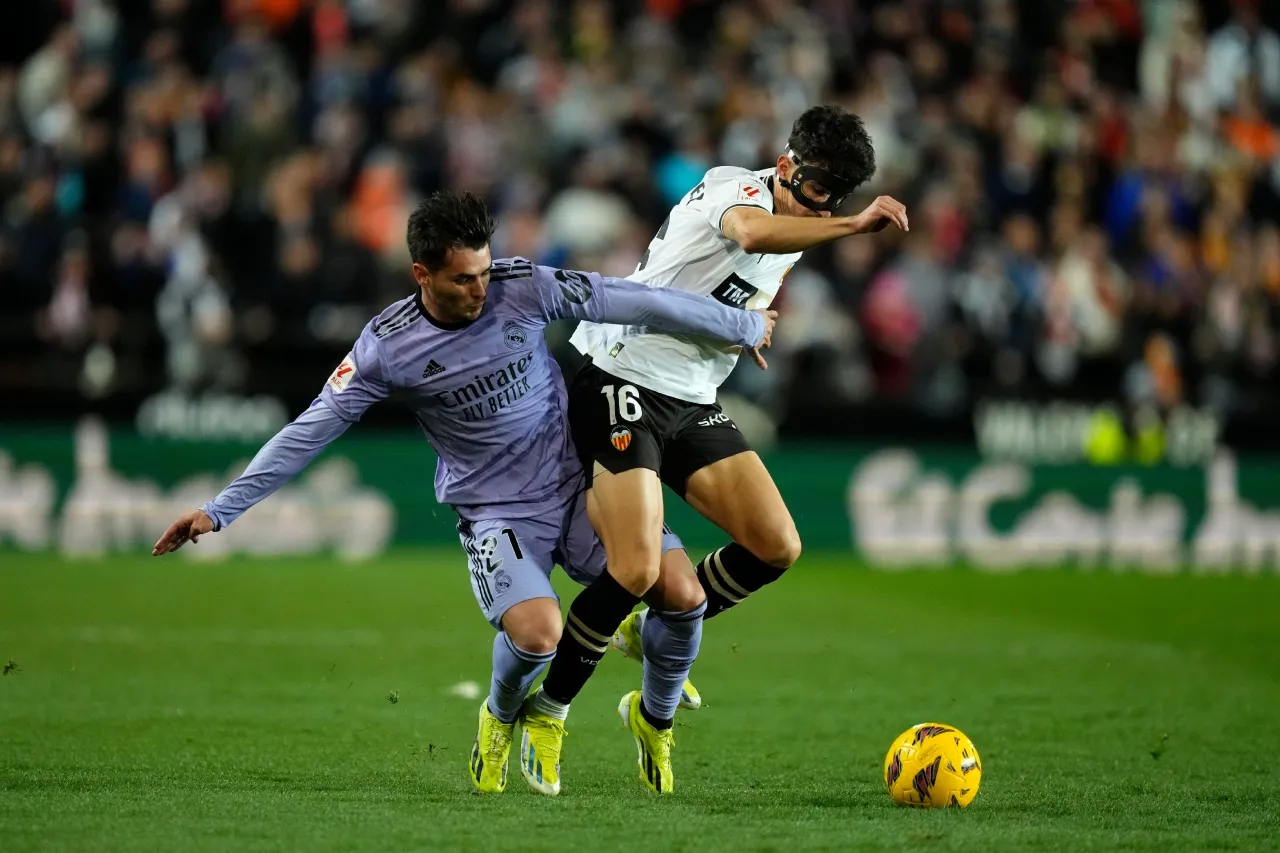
x: 433, y: 368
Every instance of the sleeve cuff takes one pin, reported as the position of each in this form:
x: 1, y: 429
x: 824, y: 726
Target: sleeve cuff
x: 208, y: 509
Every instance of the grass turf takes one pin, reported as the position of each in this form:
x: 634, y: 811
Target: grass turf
x: 168, y: 704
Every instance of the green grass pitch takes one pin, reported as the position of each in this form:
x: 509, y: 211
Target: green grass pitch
x: 179, y: 705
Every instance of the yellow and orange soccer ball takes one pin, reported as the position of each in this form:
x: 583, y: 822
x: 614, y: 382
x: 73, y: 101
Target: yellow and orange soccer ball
x: 932, y: 765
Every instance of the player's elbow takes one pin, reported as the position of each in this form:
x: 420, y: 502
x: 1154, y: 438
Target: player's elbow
x: 750, y: 239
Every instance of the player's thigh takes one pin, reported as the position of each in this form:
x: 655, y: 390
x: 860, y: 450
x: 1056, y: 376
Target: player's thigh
x: 737, y: 494
x: 626, y: 510
x: 510, y: 562
x: 619, y: 429
x: 584, y: 558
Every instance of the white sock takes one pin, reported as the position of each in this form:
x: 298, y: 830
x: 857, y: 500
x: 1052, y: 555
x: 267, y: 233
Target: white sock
x: 545, y: 704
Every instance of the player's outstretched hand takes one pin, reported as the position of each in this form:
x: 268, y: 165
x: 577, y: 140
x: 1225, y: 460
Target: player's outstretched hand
x: 770, y: 320
x: 880, y: 213
x: 190, y: 527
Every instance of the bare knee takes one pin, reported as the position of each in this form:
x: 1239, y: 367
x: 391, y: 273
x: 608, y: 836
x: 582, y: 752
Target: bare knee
x: 682, y: 593
x: 534, y: 625
x: 636, y: 571
x: 677, y: 591
x: 779, y: 547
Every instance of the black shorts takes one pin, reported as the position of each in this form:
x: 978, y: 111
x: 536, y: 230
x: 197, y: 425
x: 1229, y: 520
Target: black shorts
x: 622, y: 426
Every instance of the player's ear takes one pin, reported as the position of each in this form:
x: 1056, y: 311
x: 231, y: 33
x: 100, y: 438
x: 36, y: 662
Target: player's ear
x: 784, y: 167
x: 421, y: 276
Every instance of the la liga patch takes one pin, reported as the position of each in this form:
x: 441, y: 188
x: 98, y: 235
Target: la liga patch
x: 342, y: 374
x: 750, y: 192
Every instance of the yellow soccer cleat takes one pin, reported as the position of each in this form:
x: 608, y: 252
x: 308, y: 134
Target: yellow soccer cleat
x: 653, y: 746
x: 540, y: 750
x: 488, y: 765
x: 627, y: 640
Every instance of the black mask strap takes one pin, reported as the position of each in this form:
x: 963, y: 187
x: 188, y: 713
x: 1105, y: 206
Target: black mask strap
x: 837, y: 187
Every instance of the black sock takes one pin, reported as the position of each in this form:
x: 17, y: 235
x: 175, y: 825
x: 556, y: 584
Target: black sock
x: 656, y: 722
x: 593, y: 617
x: 731, y: 574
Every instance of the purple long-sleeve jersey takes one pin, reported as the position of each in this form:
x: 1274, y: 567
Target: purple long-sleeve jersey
x: 487, y: 394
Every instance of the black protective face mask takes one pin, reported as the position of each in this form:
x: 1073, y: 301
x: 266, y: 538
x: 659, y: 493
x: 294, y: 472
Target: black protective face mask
x: 815, y: 187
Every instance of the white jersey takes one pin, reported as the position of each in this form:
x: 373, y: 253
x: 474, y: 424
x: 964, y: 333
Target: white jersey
x: 691, y: 253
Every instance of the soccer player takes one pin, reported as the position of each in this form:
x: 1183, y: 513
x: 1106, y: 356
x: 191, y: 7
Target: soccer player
x: 733, y: 238
x: 468, y: 354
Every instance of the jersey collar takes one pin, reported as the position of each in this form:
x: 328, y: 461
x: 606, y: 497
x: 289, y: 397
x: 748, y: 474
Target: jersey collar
x: 440, y: 324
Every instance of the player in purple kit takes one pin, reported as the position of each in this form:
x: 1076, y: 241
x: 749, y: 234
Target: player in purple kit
x: 468, y: 353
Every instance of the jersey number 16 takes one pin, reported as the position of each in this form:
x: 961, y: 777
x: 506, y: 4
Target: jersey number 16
x: 625, y: 402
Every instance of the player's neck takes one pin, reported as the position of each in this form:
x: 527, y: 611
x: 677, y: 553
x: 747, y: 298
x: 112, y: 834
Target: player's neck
x: 779, y: 203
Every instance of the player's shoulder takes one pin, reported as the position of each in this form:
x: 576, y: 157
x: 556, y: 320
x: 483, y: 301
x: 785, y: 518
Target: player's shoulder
x: 511, y: 269
x: 395, y: 318
x: 733, y: 185
x: 725, y: 174
x: 511, y: 284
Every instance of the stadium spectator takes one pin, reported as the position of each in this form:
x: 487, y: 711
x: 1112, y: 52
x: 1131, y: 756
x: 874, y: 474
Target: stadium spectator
x: 216, y: 187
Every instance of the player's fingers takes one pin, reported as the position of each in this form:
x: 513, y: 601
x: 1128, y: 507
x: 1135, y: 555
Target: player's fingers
x: 759, y: 359
x: 898, y: 212
x: 884, y: 207
x: 166, y: 540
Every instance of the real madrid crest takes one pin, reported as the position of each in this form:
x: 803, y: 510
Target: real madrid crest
x: 514, y: 335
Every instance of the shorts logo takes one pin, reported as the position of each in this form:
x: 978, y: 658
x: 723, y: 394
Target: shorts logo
x: 513, y: 335
x: 342, y: 374
x: 502, y: 581
x: 620, y: 438
x: 717, y: 418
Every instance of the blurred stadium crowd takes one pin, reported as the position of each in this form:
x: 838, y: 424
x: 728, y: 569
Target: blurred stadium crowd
x: 211, y: 194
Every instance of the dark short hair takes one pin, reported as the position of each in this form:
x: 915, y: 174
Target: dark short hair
x: 836, y: 140
x: 444, y: 222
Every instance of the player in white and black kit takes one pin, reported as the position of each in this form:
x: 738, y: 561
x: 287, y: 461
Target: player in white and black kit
x: 643, y: 409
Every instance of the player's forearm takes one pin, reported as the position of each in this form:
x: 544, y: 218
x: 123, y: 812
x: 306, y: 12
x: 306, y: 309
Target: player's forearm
x: 781, y: 235
x: 633, y: 304
x: 287, y: 453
